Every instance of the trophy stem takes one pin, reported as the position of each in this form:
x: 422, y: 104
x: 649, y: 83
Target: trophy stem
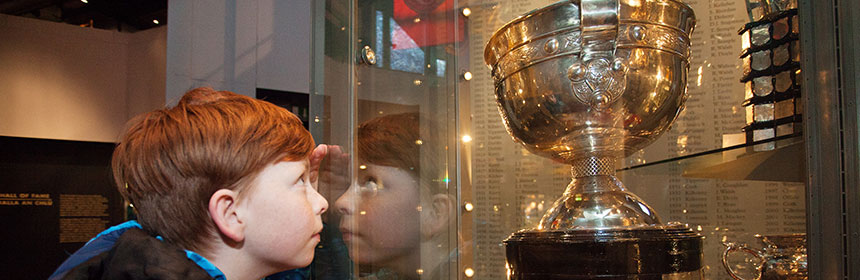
x: 593, y: 166
x: 593, y: 174
x: 595, y: 198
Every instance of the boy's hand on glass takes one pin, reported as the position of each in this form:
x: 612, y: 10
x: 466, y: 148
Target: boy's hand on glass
x: 334, y: 171
x: 314, y: 161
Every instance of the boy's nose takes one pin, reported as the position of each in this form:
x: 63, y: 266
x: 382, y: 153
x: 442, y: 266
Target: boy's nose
x: 344, y: 205
x: 320, y: 202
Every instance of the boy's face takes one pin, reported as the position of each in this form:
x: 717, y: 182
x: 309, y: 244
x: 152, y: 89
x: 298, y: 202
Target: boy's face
x: 282, y: 215
x: 380, y: 215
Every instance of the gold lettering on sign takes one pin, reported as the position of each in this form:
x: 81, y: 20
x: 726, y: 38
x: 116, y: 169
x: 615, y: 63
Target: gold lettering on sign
x: 25, y: 199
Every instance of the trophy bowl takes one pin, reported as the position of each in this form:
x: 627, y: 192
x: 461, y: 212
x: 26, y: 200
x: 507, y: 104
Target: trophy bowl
x: 563, y: 96
x: 585, y: 82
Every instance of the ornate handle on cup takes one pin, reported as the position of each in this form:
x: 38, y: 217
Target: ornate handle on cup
x: 598, y: 78
x: 731, y: 247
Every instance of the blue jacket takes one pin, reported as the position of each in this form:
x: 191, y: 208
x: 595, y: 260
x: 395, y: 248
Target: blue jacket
x: 126, y: 251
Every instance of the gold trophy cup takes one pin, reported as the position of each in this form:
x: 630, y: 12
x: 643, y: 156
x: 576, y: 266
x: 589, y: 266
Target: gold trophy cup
x: 587, y: 82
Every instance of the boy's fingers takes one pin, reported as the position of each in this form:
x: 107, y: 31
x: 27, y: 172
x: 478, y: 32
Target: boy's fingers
x: 319, y: 153
x: 315, y: 159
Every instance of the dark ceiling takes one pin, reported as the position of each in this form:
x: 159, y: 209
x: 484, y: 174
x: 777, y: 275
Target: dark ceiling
x: 120, y: 15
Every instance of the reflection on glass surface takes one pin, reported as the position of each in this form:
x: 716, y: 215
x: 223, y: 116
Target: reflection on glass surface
x: 405, y: 53
x: 380, y: 27
x: 394, y: 212
x: 397, y: 210
x: 441, y: 65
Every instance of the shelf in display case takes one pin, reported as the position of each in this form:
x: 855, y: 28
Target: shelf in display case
x: 776, y: 159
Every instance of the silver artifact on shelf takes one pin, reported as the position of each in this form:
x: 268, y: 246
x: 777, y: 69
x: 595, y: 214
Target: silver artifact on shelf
x: 771, y: 76
x: 783, y: 257
x: 586, y: 82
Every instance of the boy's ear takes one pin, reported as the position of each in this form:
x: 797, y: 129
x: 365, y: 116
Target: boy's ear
x: 437, y: 219
x: 222, y: 208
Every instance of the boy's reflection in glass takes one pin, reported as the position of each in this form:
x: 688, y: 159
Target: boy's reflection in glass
x: 396, y: 214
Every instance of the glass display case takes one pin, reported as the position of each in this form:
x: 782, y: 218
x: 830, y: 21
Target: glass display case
x: 425, y: 181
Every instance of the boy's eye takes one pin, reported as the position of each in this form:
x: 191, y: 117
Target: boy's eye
x: 369, y: 186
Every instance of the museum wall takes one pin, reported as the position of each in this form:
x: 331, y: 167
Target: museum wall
x: 146, y: 70
x: 238, y: 46
x: 71, y: 83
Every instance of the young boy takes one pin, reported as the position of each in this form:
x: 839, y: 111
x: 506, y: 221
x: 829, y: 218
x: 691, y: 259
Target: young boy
x: 221, y: 184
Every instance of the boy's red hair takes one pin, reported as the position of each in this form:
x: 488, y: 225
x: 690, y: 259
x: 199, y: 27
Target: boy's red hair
x: 170, y: 161
x: 403, y: 141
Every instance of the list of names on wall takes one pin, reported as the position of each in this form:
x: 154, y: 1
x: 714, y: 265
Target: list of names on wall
x: 723, y: 210
x: 512, y: 188
x: 82, y: 217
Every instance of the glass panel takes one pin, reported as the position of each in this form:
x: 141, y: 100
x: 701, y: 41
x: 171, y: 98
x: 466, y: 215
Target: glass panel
x: 332, y: 110
x: 509, y: 187
x: 430, y: 183
x: 389, y: 107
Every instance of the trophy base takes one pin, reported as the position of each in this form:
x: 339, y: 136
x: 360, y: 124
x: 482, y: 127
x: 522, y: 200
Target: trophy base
x: 652, y: 252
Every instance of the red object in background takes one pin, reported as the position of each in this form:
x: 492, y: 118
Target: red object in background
x: 434, y: 26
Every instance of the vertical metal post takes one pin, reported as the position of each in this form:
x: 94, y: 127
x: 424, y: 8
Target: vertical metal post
x: 317, y: 47
x: 829, y: 40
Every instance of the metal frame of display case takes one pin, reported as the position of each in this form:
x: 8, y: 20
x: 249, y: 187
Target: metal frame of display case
x: 830, y: 35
